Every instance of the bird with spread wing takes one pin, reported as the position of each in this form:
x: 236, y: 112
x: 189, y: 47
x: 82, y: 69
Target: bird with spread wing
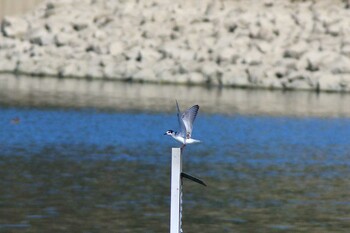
x: 185, y: 119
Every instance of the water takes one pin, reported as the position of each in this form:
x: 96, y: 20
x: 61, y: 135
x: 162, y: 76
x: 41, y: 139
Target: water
x: 79, y: 168
x: 126, y: 97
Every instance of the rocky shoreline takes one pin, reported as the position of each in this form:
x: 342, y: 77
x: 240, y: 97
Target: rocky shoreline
x: 242, y: 43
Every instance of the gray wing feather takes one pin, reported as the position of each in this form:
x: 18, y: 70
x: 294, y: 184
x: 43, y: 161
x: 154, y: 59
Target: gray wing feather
x: 188, y: 118
x: 181, y: 122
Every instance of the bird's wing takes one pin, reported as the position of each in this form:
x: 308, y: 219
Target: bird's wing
x: 188, y: 118
x: 181, y: 123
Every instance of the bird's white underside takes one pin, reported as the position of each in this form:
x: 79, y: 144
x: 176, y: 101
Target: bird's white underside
x: 182, y: 140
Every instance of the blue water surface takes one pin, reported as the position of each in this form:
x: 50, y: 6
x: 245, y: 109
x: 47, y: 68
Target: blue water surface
x: 91, y: 171
x: 257, y: 140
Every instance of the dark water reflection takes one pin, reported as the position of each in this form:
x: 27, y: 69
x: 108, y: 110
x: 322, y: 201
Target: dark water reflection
x: 96, y: 171
x: 136, y: 97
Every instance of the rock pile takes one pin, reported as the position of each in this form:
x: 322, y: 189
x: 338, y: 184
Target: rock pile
x: 243, y: 43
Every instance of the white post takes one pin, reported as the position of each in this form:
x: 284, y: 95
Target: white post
x: 176, y: 189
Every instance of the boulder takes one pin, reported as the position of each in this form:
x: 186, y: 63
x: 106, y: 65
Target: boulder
x: 227, y: 56
x: 328, y: 61
x: 253, y: 57
x: 27, y: 65
x: 265, y: 44
x: 296, y: 50
x: 6, y: 64
x: 41, y: 37
x: 164, y: 65
x: 116, y: 48
x: 345, y: 50
x: 14, y: 27
x: 94, y: 71
x: 63, y: 39
x: 177, y: 53
x: 166, y: 76
x: 8, y: 43
x: 340, y: 65
x: 270, y: 80
x: 131, y: 68
x: 329, y: 82
x: 178, y: 78
x: 74, y: 68
x: 299, y: 80
x: 145, y: 75
x: 196, y: 78
x: 235, y: 76
x: 149, y: 56
x: 49, y: 66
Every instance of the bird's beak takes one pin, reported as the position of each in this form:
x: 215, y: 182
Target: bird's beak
x: 164, y: 133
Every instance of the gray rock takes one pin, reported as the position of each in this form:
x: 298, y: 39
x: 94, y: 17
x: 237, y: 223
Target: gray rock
x: 52, y: 5
x: 132, y: 67
x: 210, y: 69
x: 145, y: 75
x: 94, y: 71
x: 266, y: 44
x: 263, y: 46
x: 133, y: 54
x: 296, y: 50
x: 268, y: 3
x: 115, y: 68
x: 74, y: 68
x: 63, y: 39
x: 270, y: 80
x: 6, y: 64
x: 340, y: 65
x: 310, y: 61
x: 149, y: 56
x: 116, y: 48
x: 329, y: 82
x: 178, y: 78
x: 227, y: 56
x: 255, y: 74
x: 299, y: 80
x: 166, y: 76
x: 325, y: 61
x: 58, y: 25
x: 253, y: 57
x: 176, y: 53
x: 235, y: 76
x: 27, y: 65
x: 49, y: 67
x: 7, y: 43
x: 196, y: 78
x: 14, y: 27
x: 164, y: 66
x: 345, y: 50
x: 41, y: 37
x: 335, y: 29
x: 21, y: 48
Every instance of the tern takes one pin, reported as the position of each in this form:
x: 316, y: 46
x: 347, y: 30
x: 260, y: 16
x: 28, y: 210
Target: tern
x: 185, y: 120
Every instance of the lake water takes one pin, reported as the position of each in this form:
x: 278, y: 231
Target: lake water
x: 88, y: 156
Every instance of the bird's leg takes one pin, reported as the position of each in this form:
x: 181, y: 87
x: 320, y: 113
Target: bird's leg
x: 182, y: 147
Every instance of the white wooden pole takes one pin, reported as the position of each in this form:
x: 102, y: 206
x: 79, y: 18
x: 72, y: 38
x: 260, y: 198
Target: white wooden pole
x: 176, y: 191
